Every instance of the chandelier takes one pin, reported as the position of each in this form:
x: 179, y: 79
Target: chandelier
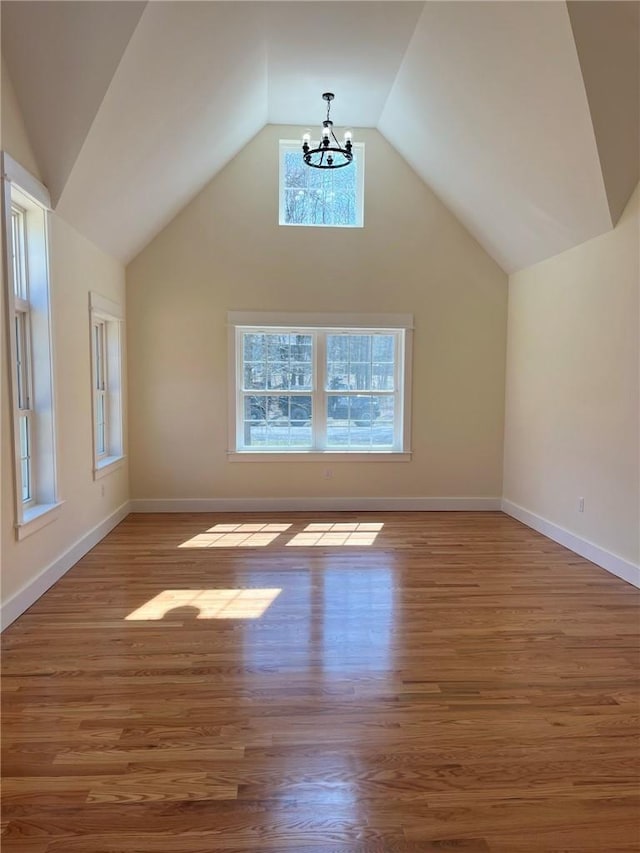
x: 328, y: 154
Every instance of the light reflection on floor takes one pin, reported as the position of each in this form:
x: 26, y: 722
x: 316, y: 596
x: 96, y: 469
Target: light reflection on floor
x: 317, y: 534
x: 210, y: 603
x: 236, y: 536
x: 340, y: 533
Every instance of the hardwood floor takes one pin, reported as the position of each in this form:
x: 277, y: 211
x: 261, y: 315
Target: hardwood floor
x: 447, y: 682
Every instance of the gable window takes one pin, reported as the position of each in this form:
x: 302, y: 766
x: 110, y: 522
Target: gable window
x: 321, y: 197
x: 106, y: 383
x: 320, y: 384
x: 26, y: 264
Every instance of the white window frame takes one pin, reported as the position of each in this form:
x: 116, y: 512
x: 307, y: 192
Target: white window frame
x: 106, y: 336
x: 239, y: 322
x: 287, y: 145
x: 29, y: 333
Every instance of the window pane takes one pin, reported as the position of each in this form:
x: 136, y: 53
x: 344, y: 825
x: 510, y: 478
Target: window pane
x: 360, y: 376
x: 24, y: 437
x: 338, y: 348
x: 97, y: 344
x: 301, y: 346
x: 277, y: 422
x: 100, y: 424
x: 254, y: 347
x: 337, y: 375
x: 255, y: 375
x: 383, y: 348
x: 25, y: 457
x: 278, y: 347
x: 20, y: 377
x: 301, y: 376
x: 349, y: 362
x: 382, y: 376
x: 278, y: 361
x: 18, y: 253
x: 255, y: 408
x: 360, y: 421
x: 25, y: 466
x: 278, y: 375
x: 359, y: 347
x: 318, y: 196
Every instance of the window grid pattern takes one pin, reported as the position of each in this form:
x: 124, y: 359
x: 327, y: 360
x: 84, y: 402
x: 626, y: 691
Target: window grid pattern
x: 100, y: 387
x: 320, y: 197
x: 319, y: 389
x: 281, y: 362
x: 22, y: 354
x: 18, y: 252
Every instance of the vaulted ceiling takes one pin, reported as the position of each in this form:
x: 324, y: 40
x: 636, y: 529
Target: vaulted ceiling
x: 522, y: 116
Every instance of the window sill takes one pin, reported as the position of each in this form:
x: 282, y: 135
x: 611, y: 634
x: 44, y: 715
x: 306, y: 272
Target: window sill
x: 37, y: 517
x: 319, y: 456
x: 107, y: 465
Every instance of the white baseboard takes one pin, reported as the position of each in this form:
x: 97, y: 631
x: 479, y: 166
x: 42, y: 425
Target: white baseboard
x: 31, y: 592
x: 314, y: 504
x: 618, y: 566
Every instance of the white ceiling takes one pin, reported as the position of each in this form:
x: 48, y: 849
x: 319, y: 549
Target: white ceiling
x: 490, y: 109
x: 134, y: 107
x: 353, y: 49
x: 78, y: 47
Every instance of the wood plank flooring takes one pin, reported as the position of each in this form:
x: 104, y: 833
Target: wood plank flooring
x: 326, y: 683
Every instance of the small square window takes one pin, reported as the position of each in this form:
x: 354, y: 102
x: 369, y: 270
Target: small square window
x: 320, y: 197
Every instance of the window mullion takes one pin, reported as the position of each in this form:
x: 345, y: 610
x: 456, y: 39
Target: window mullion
x: 398, y: 392
x: 366, y: 423
x: 241, y: 394
x: 319, y: 433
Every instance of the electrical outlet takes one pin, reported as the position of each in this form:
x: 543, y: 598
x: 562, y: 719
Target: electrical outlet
x: 102, y: 490
x: 328, y: 473
x: 580, y: 504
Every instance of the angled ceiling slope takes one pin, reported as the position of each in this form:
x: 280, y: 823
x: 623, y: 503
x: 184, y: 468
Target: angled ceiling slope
x: 78, y: 47
x: 489, y: 108
x: 135, y: 107
x: 607, y: 36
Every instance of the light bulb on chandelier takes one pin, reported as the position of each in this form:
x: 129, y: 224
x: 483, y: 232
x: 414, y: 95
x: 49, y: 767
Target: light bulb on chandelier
x: 329, y: 153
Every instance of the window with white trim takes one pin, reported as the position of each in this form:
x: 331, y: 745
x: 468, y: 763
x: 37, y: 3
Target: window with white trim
x: 106, y: 383
x: 326, y: 388
x: 25, y: 203
x: 320, y: 197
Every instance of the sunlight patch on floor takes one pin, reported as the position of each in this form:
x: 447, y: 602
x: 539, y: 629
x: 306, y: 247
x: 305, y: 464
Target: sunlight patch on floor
x: 236, y: 536
x: 210, y: 603
x: 358, y: 534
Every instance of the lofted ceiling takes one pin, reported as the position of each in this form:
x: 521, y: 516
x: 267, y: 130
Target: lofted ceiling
x: 521, y: 116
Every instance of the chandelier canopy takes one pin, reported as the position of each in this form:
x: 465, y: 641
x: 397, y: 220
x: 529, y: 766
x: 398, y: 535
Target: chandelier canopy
x: 328, y: 154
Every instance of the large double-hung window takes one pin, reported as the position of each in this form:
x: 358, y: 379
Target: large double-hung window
x: 320, y: 384
x: 106, y: 383
x: 25, y: 203
x: 22, y: 353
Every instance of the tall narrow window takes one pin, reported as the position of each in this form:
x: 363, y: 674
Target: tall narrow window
x: 106, y: 384
x: 24, y: 205
x: 100, y: 388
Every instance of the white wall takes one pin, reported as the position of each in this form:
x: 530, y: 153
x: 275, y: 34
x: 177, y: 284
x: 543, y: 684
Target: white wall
x: 77, y: 266
x: 572, y: 427
x: 226, y: 251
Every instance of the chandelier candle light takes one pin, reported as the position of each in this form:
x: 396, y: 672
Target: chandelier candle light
x: 328, y: 154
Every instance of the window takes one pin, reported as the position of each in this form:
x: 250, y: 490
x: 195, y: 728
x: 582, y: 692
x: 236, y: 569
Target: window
x: 106, y: 383
x: 322, y: 197
x: 320, y: 384
x: 25, y: 202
